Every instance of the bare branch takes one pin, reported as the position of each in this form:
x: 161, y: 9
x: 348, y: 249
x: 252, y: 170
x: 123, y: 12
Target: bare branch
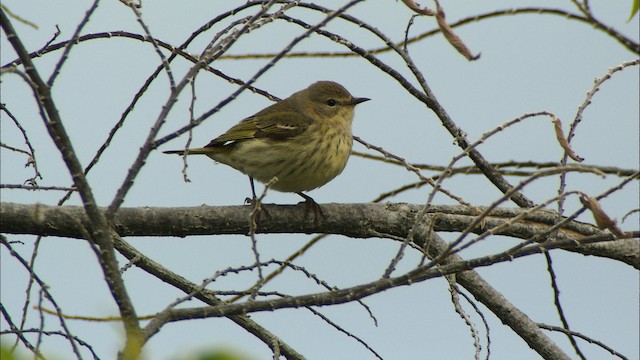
x: 44, y: 290
x: 372, y: 219
x: 100, y: 231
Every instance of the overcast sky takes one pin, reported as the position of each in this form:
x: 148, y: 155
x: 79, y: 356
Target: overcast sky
x: 528, y: 63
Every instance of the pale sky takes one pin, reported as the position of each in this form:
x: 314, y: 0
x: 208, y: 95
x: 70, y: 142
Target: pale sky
x: 529, y: 63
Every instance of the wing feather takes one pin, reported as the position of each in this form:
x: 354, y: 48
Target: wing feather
x: 280, y: 126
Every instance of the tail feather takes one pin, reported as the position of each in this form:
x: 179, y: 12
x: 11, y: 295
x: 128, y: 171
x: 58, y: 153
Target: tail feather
x: 194, y: 151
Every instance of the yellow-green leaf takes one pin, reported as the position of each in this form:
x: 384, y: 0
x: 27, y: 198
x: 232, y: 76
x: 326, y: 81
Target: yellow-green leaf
x: 634, y: 9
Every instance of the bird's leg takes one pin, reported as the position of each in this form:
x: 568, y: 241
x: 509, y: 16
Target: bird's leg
x: 311, y: 204
x: 253, y: 190
x: 255, y: 202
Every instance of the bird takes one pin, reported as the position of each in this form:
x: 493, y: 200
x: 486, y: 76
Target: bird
x: 296, y: 145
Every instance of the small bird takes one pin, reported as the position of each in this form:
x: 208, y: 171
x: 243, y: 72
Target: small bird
x: 304, y: 141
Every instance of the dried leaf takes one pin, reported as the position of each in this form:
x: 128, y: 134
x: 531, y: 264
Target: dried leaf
x: 603, y: 221
x: 444, y: 27
x: 417, y: 8
x: 454, y: 39
x: 563, y: 140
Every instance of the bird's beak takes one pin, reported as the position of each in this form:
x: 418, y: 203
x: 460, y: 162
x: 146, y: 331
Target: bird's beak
x: 356, y: 101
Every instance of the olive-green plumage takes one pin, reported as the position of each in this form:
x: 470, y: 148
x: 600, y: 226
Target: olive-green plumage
x: 304, y: 141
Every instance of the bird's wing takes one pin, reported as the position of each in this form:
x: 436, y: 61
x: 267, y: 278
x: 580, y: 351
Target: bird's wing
x: 280, y: 126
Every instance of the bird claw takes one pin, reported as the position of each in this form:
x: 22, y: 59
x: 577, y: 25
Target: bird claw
x: 311, y: 205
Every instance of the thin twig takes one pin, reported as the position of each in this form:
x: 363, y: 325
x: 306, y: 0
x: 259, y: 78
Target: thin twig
x: 71, y: 43
x: 583, y: 337
x: 44, y: 290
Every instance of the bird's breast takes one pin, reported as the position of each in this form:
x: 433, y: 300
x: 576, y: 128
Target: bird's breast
x: 301, y: 163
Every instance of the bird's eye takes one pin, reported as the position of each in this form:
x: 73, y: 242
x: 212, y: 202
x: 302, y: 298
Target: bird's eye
x: 332, y: 102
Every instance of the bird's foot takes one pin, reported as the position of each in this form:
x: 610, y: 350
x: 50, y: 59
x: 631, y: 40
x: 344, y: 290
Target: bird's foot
x: 312, y: 206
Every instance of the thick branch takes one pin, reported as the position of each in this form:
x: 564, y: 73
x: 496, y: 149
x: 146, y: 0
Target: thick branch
x: 364, y: 220
x: 353, y: 220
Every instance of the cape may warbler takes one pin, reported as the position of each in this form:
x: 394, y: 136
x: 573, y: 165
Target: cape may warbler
x: 304, y: 140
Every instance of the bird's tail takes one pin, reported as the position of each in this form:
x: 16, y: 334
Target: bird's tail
x: 194, y: 151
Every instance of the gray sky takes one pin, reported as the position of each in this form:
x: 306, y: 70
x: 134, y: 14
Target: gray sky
x: 529, y: 63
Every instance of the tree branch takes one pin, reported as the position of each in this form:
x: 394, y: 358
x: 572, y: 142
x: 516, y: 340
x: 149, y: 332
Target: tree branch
x: 481, y: 290
x: 353, y: 220
x: 100, y: 230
